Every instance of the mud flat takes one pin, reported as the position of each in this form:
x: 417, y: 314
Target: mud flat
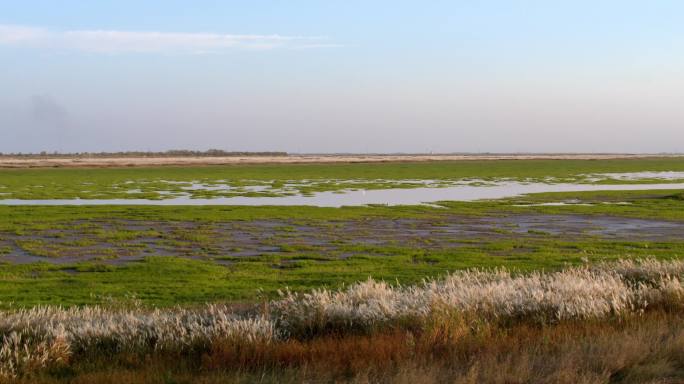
x: 121, y: 241
x: 77, y: 161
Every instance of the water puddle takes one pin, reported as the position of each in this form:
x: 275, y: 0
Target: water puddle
x: 636, y: 176
x: 413, y: 196
x: 554, y: 204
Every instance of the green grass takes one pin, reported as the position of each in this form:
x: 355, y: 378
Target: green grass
x: 106, y: 183
x: 663, y: 204
x: 209, y: 275
x: 166, y: 281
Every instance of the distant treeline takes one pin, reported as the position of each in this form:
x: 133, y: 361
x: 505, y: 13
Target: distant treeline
x: 170, y: 153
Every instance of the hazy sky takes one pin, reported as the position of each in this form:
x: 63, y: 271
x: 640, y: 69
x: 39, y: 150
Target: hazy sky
x: 342, y: 76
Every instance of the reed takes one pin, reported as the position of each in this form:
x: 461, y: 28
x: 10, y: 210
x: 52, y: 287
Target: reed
x: 436, y: 314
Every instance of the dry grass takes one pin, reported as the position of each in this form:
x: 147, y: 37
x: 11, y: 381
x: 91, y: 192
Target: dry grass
x: 645, y: 348
x: 607, y: 323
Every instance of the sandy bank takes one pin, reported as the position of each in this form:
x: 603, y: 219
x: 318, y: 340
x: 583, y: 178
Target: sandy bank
x: 66, y: 162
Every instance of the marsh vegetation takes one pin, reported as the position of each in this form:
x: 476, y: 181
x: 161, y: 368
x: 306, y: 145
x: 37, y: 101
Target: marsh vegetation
x: 546, y: 287
x: 456, y: 326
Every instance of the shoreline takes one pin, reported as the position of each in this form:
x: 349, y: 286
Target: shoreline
x: 116, y: 162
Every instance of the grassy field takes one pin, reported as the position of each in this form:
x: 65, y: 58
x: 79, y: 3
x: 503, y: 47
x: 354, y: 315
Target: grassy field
x: 107, y: 183
x: 181, y: 294
x: 207, y: 273
x: 607, y: 322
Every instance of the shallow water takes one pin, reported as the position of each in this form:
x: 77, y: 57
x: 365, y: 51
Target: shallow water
x: 412, y: 196
x: 634, y: 176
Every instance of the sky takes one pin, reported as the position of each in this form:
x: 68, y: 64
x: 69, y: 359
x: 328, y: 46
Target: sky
x: 342, y: 76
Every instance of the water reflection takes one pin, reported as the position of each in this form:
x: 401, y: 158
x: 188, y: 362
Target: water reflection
x: 395, y: 196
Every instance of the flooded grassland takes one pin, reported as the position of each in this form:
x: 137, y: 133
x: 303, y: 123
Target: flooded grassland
x: 265, y: 273
x: 168, y: 255
x: 188, y: 235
